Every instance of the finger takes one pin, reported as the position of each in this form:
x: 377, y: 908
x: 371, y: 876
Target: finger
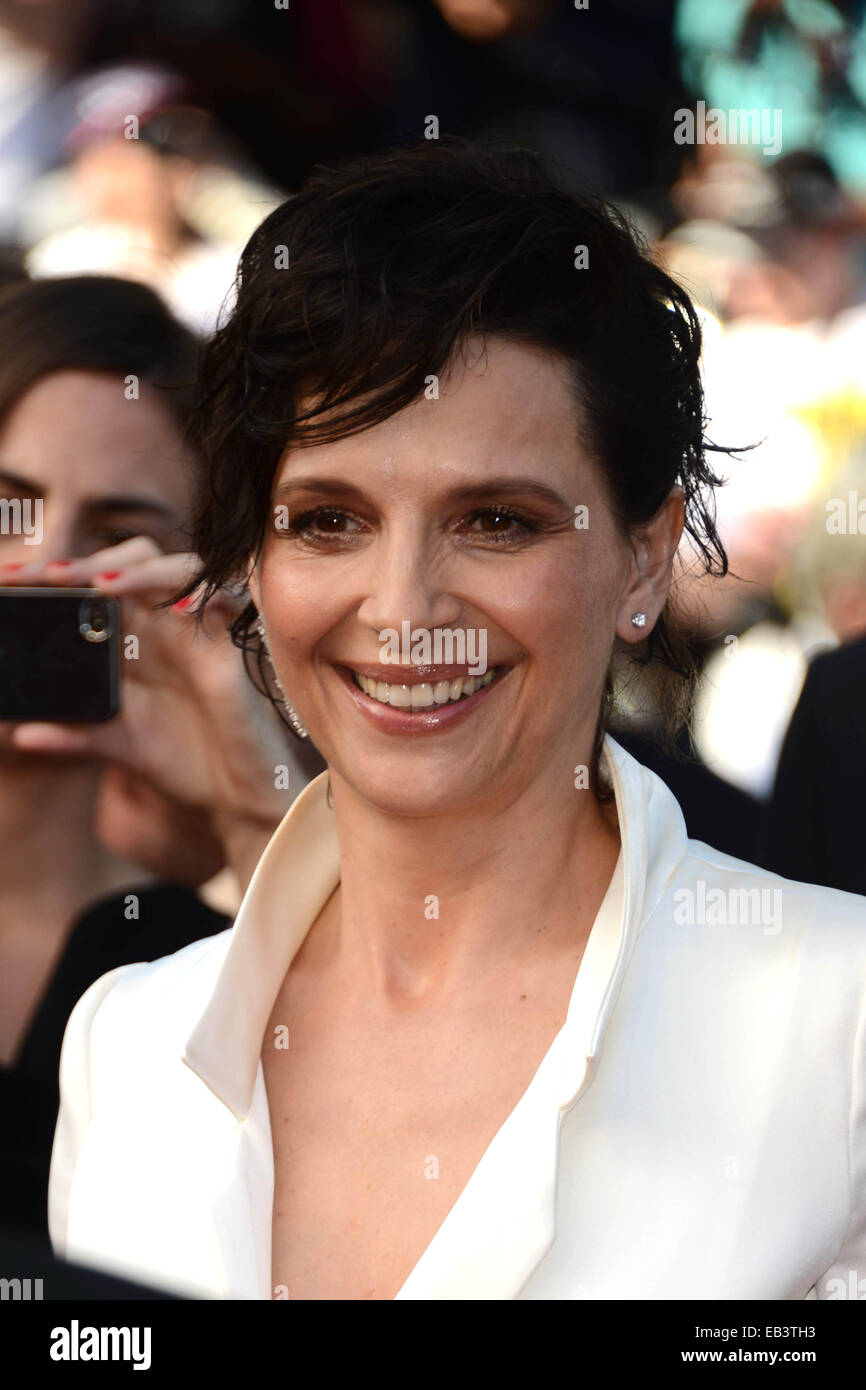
x: 81, y: 570
x: 163, y: 574
x: 52, y: 738
x: 36, y: 737
x: 38, y: 572
x: 213, y: 618
x: 114, y: 558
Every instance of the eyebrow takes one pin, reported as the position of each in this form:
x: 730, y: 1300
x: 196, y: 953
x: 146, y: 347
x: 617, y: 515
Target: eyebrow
x: 491, y: 490
x: 107, y: 502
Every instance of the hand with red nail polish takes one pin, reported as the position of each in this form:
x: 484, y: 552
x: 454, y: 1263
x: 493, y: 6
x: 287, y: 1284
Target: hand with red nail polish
x: 191, y: 722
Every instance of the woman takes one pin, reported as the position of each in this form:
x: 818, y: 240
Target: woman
x: 488, y: 1025
x: 107, y: 830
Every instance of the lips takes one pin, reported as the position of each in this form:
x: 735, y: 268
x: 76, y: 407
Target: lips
x: 413, y: 704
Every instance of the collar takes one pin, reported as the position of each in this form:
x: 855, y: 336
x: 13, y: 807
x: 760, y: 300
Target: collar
x: 300, y: 869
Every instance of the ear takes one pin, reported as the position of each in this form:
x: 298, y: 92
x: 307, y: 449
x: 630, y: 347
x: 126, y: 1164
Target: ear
x: 654, y: 547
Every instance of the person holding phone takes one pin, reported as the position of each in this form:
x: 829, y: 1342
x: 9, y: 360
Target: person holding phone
x: 107, y: 827
x: 488, y: 1024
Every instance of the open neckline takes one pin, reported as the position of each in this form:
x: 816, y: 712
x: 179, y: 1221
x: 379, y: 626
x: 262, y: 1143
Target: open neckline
x: 558, y: 1077
x: 465, y: 1246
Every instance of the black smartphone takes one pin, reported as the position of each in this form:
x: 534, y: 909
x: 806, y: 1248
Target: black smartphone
x: 59, y: 655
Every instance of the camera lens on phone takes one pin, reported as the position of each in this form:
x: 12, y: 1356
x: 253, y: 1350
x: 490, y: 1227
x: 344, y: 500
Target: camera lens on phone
x: 94, y: 620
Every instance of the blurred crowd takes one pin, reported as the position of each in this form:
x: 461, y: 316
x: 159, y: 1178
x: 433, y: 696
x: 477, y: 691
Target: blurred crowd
x: 142, y: 142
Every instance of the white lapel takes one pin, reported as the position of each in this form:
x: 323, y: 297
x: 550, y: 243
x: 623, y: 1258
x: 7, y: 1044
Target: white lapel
x: 242, y: 1204
x: 294, y: 878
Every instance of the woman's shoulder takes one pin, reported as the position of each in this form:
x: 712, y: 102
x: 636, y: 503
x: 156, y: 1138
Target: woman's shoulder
x: 699, y: 853
x: 723, y: 890
x: 168, y: 990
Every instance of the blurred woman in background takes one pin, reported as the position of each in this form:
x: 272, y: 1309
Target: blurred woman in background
x: 106, y: 831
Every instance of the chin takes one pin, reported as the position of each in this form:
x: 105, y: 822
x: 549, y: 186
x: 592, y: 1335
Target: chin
x: 414, y: 786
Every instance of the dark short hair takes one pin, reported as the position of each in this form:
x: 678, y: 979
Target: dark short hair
x: 96, y: 323
x: 393, y: 262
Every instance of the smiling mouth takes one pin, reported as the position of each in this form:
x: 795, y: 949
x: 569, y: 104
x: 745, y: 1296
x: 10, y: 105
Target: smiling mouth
x: 423, y: 695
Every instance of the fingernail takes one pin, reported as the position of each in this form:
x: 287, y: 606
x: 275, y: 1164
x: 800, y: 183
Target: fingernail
x: 13, y: 567
x: 110, y: 574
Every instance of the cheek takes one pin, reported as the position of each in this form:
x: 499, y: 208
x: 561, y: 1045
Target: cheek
x: 299, y: 601
x: 560, y: 602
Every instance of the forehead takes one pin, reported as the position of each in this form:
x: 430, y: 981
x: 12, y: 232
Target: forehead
x: 78, y: 432
x: 497, y: 403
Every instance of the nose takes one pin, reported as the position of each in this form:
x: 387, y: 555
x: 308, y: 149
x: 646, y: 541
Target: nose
x: 407, y: 583
x: 61, y: 535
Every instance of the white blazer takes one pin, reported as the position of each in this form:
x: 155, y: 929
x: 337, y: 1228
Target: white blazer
x: 697, y: 1128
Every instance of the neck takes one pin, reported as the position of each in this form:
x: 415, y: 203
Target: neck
x: 425, y: 903
x: 51, y: 864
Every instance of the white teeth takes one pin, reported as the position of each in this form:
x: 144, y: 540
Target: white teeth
x: 424, y: 695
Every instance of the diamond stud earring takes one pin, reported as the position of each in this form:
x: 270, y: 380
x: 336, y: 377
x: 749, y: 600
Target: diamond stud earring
x: 291, y: 715
x: 639, y: 619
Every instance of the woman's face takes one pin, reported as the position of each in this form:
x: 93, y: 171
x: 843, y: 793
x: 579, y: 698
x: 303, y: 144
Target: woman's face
x: 103, y: 467
x: 456, y: 513
x: 100, y: 467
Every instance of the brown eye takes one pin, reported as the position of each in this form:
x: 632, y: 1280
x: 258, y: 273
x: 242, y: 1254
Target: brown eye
x: 496, y: 521
x: 323, y: 522
x: 500, y: 524
x: 331, y: 521
x: 118, y: 536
